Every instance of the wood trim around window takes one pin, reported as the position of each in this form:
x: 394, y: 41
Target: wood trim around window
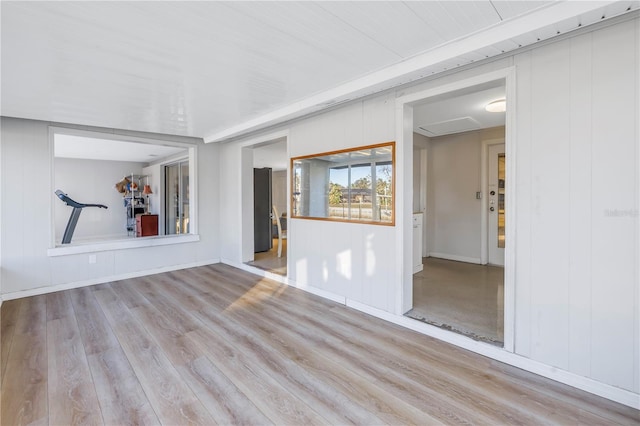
x: 391, y: 144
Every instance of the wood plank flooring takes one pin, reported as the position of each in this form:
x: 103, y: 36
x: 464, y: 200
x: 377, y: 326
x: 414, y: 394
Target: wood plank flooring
x: 216, y: 345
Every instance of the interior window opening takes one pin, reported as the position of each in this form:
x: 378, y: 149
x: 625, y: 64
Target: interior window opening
x: 128, y: 178
x: 353, y: 185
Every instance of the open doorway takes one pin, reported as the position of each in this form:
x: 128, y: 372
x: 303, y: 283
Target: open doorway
x: 269, y: 193
x: 459, y: 202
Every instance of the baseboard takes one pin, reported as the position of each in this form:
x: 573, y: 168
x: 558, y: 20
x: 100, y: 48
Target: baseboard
x: 418, y: 268
x: 586, y: 384
x: 455, y: 257
x: 102, y: 280
x: 256, y: 271
x: 285, y: 280
x: 322, y: 293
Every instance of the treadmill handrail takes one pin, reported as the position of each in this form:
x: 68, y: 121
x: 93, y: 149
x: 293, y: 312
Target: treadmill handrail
x: 68, y: 201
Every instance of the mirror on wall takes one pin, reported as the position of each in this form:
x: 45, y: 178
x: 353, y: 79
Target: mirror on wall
x: 355, y: 185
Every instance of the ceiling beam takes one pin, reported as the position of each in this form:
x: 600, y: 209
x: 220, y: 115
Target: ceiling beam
x: 404, y: 71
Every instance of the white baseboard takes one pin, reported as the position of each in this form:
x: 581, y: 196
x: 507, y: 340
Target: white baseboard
x: 455, y: 257
x: 256, y: 271
x: 101, y: 280
x: 322, y: 293
x: 589, y: 385
x: 417, y: 268
x: 612, y: 393
x: 285, y: 280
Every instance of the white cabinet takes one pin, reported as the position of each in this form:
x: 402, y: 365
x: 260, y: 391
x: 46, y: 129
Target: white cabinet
x: 417, y: 242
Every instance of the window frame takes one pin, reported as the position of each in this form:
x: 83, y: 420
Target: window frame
x: 165, y: 202
x: 349, y: 163
x: 100, y: 245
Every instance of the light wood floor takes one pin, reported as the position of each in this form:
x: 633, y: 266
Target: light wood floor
x: 217, y: 345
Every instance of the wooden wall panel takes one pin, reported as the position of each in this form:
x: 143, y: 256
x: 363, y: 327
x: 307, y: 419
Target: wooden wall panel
x: 580, y: 206
x: 577, y: 175
x: 577, y: 155
x: 25, y: 204
x: 233, y: 169
x: 378, y: 125
x: 209, y: 200
x: 26, y: 201
x: 636, y: 321
x: 550, y: 115
x: 352, y: 260
x: 614, y: 190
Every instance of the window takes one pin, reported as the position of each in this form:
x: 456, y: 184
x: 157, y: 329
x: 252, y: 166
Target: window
x: 87, y: 166
x: 354, y: 185
x: 177, y: 198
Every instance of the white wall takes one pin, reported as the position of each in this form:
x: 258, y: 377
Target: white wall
x: 92, y: 181
x: 1, y: 222
x: 420, y: 143
x: 231, y: 212
x: 576, y: 137
x: 420, y: 159
x: 577, y: 291
x: 577, y: 285
x: 352, y: 260
x: 356, y: 261
x: 27, y: 200
x: 453, y: 178
x: 279, y: 190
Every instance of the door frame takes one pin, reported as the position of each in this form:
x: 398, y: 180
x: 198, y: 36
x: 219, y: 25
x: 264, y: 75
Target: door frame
x: 246, y: 164
x: 404, y: 204
x: 484, y: 182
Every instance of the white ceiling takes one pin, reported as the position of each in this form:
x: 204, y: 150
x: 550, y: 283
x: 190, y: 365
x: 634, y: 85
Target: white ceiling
x: 81, y: 147
x: 220, y: 69
x: 459, y: 112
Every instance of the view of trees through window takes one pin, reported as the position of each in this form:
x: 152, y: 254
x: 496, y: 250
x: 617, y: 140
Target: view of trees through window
x: 351, y: 185
x: 355, y: 198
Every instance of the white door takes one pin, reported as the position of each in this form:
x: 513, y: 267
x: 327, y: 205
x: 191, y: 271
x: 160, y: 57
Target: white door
x: 496, y: 192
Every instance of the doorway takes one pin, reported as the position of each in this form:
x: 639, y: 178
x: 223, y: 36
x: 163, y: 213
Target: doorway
x: 461, y: 191
x: 265, y: 165
x: 457, y: 288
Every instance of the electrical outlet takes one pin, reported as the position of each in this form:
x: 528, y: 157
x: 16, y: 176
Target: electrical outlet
x: 92, y: 259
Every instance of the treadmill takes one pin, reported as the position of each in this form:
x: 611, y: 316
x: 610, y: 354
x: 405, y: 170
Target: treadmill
x: 75, y: 214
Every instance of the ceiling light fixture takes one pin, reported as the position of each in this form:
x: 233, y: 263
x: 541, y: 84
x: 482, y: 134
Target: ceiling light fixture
x: 497, y: 106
